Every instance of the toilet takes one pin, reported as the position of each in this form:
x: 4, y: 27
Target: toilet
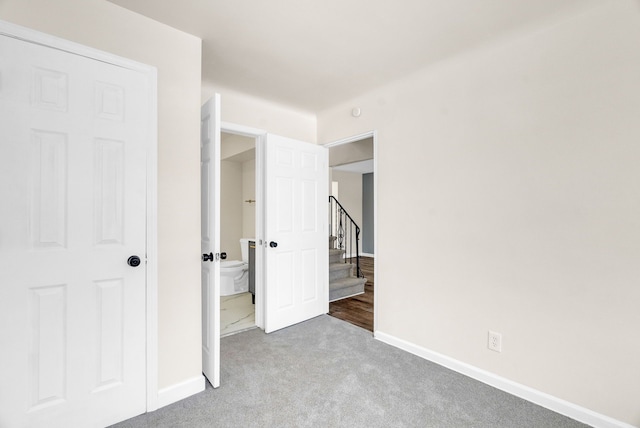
x: 234, y: 274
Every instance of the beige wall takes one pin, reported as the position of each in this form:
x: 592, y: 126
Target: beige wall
x: 233, y: 144
x: 231, y: 209
x: 242, y: 109
x: 523, y: 209
x: 103, y: 25
x: 237, y: 217
x: 249, y: 193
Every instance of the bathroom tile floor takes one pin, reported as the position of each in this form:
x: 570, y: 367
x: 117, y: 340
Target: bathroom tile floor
x: 237, y: 313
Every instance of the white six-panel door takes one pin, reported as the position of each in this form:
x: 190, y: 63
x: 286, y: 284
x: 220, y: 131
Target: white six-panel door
x: 210, y: 242
x: 296, y: 252
x: 72, y: 211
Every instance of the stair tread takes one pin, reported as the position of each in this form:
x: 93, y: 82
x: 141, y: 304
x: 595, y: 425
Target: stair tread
x: 346, y: 282
x: 346, y: 287
x: 340, y: 265
x: 335, y: 251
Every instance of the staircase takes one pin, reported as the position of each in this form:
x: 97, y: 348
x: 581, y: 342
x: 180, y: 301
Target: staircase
x: 345, y: 277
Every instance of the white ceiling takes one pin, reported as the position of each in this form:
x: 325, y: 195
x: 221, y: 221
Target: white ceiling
x: 315, y: 54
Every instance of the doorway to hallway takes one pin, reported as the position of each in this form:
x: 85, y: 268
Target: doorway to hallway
x: 352, y: 183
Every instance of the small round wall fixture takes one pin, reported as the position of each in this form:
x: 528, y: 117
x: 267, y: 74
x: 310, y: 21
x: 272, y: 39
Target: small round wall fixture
x: 356, y: 112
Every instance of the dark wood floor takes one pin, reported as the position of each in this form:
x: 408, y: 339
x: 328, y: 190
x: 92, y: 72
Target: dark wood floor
x: 358, y: 310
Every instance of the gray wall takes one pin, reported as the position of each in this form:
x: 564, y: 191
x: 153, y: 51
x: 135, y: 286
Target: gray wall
x: 367, y: 214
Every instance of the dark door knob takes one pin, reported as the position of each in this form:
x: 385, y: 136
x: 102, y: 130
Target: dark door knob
x: 223, y: 256
x: 273, y: 244
x: 207, y: 257
x: 133, y: 261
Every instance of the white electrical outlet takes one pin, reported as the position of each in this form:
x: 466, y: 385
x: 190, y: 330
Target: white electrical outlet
x: 495, y: 341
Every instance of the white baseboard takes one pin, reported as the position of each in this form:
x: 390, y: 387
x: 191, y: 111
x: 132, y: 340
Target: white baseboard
x: 550, y: 402
x: 368, y: 255
x: 180, y: 391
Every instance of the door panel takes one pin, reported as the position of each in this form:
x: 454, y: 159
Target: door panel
x: 109, y: 191
x: 210, y: 244
x: 73, y: 171
x: 48, y: 163
x: 296, y: 191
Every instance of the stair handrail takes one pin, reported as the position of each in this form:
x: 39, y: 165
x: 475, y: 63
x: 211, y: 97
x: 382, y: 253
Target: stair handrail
x: 340, y: 235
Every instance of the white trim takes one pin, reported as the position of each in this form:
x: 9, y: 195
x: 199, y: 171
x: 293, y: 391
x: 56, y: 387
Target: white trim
x: 247, y: 131
x: 152, y: 247
x: 368, y: 254
x: 540, y: 398
x: 180, y: 391
x: 351, y: 139
x: 375, y: 227
x: 370, y: 134
x: 261, y: 300
x: 32, y: 36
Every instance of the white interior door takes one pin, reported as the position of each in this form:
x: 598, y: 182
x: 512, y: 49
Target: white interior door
x: 296, y: 252
x: 210, y: 244
x: 74, y: 133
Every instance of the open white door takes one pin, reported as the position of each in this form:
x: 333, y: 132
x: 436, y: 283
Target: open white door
x: 210, y: 244
x: 73, y: 141
x: 296, y: 253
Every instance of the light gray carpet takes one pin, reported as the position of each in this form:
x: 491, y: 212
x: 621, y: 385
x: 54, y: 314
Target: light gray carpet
x: 328, y: 373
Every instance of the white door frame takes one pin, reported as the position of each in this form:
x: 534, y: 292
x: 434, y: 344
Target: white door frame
x: 373, y: 135
x: 32, y: 36
x: 259, y: 135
